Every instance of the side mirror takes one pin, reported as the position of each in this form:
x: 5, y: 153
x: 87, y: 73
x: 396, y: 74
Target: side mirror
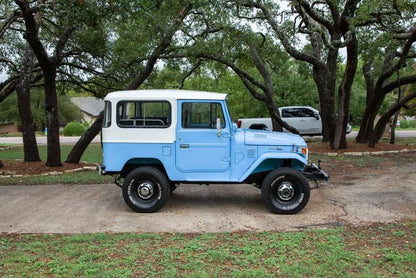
x: 218, y: 126
x: 316, y: 116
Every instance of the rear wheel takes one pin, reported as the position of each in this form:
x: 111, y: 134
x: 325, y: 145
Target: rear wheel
x: 285, y: 191
x: 146, y: 189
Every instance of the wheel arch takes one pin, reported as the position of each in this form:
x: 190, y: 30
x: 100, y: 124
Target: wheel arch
x: 270, y: 161
x: 136, y: 162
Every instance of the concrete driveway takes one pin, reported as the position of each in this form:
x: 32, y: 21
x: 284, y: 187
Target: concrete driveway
x: 351, y: 199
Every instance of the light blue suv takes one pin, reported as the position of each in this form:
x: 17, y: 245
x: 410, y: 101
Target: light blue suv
x: 158, y: 139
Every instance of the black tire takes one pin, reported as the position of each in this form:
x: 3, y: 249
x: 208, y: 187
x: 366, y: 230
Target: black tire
x: 146, y: 189
x: 285, y: 191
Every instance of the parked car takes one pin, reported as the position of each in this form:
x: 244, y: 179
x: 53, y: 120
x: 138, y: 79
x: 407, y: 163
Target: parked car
x: 304, y: 118
x: 155, y: 140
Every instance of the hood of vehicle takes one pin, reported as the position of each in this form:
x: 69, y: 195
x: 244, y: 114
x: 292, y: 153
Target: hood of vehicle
x: 271, y: 138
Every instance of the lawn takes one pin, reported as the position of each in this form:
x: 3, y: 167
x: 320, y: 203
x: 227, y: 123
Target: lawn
x: 92, y: 154
x: 84, y: 177
x: 378, y: 250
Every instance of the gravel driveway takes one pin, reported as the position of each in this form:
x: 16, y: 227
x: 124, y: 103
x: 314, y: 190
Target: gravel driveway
x: 352, y: 199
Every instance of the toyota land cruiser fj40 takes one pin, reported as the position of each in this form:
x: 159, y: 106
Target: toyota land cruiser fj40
x: 158, y: 139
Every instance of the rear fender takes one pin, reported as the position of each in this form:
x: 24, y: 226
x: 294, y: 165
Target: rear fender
x: 271, y: 161
x: 133, y: 163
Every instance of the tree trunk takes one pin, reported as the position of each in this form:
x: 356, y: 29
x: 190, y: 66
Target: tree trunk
x: 52, y: 123
x: 382, y: 122
x: 393, y: 125
x: 344, y: 94
x: 30, y: 145
x: 393, y: 129
x: 82, y: 144
x: 325, y: 80
x: 375, y: 97
x: 49, y: 74
x: 8, y: 89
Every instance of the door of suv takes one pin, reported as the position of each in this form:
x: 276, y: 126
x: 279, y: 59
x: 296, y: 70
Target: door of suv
x: 304, y: 119
x: 200, y: 147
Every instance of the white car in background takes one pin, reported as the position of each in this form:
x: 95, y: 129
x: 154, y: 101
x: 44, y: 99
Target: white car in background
x: 304, y: 118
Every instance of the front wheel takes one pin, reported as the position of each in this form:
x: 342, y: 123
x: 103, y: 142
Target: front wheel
x: 146, y: 189
x: 285, y: 191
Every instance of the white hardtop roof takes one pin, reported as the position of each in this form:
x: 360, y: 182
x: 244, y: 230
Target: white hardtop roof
x: 298, y: 106
x: 164, y: 94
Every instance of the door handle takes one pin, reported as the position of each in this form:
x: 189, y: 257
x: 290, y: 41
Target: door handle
x: 184, y: 146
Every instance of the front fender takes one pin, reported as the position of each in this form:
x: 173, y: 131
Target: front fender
x: 275, y: 157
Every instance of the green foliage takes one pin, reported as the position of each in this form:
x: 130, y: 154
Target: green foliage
x: 67, y: 111
x: 74, y: 129
x: 93, y: 154
x: 407, y: 123
x: 86, y: 125
x: 82, y: 177
x: 318, y: 253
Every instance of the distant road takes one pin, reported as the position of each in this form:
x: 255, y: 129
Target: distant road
x: 399, y: 134
x: 70, y: 140
x: 65, y: 140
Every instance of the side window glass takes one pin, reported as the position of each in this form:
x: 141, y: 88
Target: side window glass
x: 306, y: 112
x: 107, y: 114
x: 144, y: 114
x: 286, y: 113
x: 290, y: 113
x: 202, y: 115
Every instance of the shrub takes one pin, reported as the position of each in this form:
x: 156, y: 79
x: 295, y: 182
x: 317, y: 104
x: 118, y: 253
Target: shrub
x: 407, y: 123
x: 74, y: 129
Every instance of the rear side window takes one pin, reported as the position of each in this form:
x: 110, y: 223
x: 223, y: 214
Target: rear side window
x: 202, y: 115
x: 297, y: 113
x: 107, y: 114
x: 144, y: 114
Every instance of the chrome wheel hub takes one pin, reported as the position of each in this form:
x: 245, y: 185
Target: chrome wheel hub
x: 286, y: 191
x: 145, y: 190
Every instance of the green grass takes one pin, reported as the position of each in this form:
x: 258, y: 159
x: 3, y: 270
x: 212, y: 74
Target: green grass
x: 92, y: 154
x: 357, y: 128
x: 19, y: 134
x: 401, y: 141
x: 84, y: 177
x: 359, y: 161
x: 381, y: 250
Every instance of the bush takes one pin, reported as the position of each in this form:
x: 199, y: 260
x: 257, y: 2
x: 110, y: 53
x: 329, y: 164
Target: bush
x: 86, y: 125
x: 407, y: 123
x: 74, y: 129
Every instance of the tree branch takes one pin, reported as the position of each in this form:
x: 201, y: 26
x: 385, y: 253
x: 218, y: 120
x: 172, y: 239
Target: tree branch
x: 193, y: 69
x: 397, y: 83
x: 31, y: 35
x: 161, y: 47
x: 9, y: 20
x: 406, y: 49
x: 61, y: 44
x: 317, y: 17
x: 282, y: 37
x: 236, y: 69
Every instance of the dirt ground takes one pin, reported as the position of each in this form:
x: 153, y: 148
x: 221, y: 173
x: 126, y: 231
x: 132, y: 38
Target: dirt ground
x: 356, y: 195
x: 16, y: 167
